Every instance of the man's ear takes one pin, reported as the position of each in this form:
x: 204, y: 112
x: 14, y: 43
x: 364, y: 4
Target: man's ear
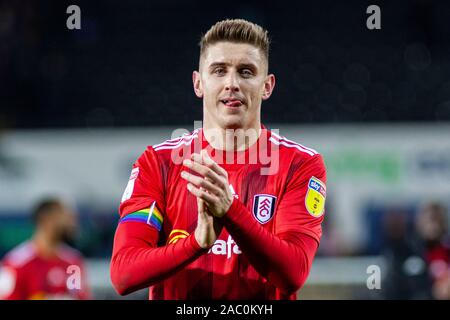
x: 197, y: 84
x: 269, y: 85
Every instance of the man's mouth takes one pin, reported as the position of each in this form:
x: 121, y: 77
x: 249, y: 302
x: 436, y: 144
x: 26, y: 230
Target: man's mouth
x: 232, y: 102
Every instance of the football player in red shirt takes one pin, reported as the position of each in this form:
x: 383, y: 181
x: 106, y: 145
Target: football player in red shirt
x: 232, y: 210
x: 432, y: 227
x: 45, y: 267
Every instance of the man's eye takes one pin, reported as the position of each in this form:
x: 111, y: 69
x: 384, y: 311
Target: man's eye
x: 219, y: 71
x: 246, y: 73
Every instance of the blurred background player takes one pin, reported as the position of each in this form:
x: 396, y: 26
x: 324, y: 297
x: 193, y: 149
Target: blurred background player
x: 432, y: 227
x: 45, y: 266
x: 406, y: 272
x: 417, y: 253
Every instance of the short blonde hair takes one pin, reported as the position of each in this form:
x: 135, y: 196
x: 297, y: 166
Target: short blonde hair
x: 237, y: 30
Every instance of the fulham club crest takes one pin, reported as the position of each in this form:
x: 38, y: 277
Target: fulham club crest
x: 263, y: 207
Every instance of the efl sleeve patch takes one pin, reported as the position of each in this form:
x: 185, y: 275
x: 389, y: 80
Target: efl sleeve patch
x: 315, y: 197
x: 130, y: 186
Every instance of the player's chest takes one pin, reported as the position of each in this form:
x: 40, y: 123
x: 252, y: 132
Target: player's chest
x: 258, y: 192
x: 47, y: 281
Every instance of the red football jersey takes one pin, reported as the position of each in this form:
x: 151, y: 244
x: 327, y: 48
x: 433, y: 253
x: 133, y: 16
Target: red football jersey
x: 280, y: 182
x: 24, y: 275
x: 438, y: 259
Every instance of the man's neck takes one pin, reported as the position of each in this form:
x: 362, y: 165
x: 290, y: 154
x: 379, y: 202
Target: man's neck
x: 232, y: 139
x: 45, y: 244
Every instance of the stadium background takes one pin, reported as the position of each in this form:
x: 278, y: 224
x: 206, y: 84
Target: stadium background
x: 77, y: 107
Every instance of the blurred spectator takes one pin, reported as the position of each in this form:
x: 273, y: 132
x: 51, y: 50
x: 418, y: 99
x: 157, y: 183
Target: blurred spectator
x: 432, y: 226
x: 45, y: 267
x: 406, y: 276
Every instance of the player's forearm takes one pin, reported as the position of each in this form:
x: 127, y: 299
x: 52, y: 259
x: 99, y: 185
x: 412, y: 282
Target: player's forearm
x: 284, y: 260
x: 137, y: 262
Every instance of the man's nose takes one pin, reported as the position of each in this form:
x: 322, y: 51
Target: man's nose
x: 232, y: 82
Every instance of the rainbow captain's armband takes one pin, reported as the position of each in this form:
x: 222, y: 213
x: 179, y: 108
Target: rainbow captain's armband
x: 150, y: 216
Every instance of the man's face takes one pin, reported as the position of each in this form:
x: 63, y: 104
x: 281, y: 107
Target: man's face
x: 232, y: 81
x: 431, y: 224
x: 64, y: 224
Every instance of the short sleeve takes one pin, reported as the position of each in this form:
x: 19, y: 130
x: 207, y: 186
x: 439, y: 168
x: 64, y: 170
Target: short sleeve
x: 302, y: 206
x: 144, y: 190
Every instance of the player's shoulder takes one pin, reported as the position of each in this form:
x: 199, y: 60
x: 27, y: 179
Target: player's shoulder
x: 20, y: 255
x: 163, y: 153
x: 293, y: 148
x: 69, y: 254
x: 181, y: 141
